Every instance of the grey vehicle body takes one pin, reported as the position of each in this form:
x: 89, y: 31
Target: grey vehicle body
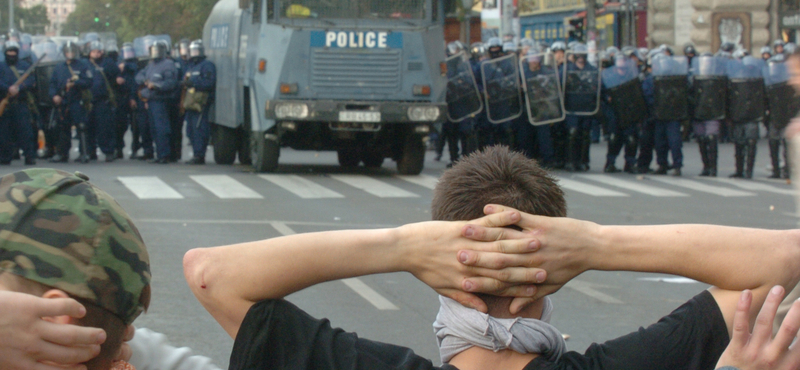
x: 365, y: 78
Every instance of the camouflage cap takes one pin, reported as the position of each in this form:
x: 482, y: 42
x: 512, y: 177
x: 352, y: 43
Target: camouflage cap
x: 59, y: 230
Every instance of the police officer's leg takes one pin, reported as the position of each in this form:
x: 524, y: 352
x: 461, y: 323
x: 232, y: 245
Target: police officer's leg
x: 525, y: 137
x: 439, y: 141
x: 161, y: 135
x: 6, y: 140
x: 545, y: 141
x: 751, y: 132
x: 63, y: 134
x: 559, y: 134
x: 702, y: 144
x: 175, y: 130
x: 675, y: 146
x: 451, y: 135
x: 631, y: 147
x: 122, y: 114
x: 711, y: 128
x: 146, y: 130
x: 105, y: 129
x: 586, y: 142
x: 662, y: 147
x: 201, y: 132
x: 25, y: 133
x: 786, y: 171
x: 739, y: 140
x: 646, y: 144
x: 91, y: 132
x: 615, y: 143
x: 774, y: 136
x: 573, y: 143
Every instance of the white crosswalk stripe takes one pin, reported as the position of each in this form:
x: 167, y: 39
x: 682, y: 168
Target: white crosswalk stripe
x: 755, y: 186
x: 149, y: 187
x: 637, y: 186
x: 592, y: 190
x: 377, y: 188
x: 421, y: 180
x: 302, y: 187
x: 225, y: 187
x: 703, y: 188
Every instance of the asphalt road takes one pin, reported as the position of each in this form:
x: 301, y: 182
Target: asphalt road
x: 179, y: 207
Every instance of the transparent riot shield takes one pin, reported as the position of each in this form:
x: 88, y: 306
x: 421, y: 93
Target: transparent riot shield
x: 542, y: 88
x: 502, y: 89
x: 42, y: 75
x: 781, y: 100
x: 463, y: 98
x: 581, y: 83
x: 624, y: 90
x: 142, y: 44
x: 745, y: 90
x: 671, y: 88
x: 709, y: 88
x: 49, y: 50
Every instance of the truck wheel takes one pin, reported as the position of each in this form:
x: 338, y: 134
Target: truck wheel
x: 413, y: 158
x: 348, y: 157
x: 264, y: 152
x: 224, y: 145
x: 372, y: 158
x: 245, y: 144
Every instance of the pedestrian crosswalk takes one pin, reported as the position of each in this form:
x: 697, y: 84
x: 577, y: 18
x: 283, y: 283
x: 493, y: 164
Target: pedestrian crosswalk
x: 338, y: 186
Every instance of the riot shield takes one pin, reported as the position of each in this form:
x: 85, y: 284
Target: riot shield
x: 624, y: 89
x: 542, y: 88
x: 581, y: 83
x: 463, y: 98
x: 745, y: 90
x: 49, y: 50
x: 670, y: 88
x: 42, y: 75
x: 142, y: 44
x: 781, y: 100
x: 502, y: 89
x: 709, y: 88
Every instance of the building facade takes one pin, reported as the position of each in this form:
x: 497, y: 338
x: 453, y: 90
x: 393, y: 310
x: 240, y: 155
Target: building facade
x: 707, y: 24
x: 57, y: 12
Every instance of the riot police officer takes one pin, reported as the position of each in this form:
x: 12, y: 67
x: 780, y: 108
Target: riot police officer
x: 499, y: 110
x: 625, y: 107
x: 17, y: 126
x: 200, y: 81
x: 584, y: 100
x: 559, y: 132
x: 127, y: 101
x: 745, y: 110
x: 777, y: 46
x: 766, y: 53
x: 689, y: 52
x: 69, y: 89
x: 160, y: 81
x: 102, y: 130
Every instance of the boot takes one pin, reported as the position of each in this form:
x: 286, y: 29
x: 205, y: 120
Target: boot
x: 573, y: 151
x: 774, y: 156
x: 786, y: 174
x: 739, y: 156
x: 702, y: 143
x: 712, y: 148
x: 631, y: 148
x: 586, y: 144
x: 750, y: 159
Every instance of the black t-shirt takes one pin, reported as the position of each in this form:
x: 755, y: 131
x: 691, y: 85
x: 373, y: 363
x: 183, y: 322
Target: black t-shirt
x: 275, y: 334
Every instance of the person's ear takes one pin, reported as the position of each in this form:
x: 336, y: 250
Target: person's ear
x: 55, y: 294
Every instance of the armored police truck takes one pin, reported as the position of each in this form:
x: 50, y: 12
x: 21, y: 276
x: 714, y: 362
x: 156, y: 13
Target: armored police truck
x: 365, y: 78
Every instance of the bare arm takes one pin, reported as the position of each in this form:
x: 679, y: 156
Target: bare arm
x: 228, y: 280
x: 730, y: 258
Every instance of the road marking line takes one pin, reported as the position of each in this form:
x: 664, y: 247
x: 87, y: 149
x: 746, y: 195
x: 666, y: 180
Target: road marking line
x: 634, y: 186
x: 369, y: 294
x: 755, y: 186
x: 704, y: 188
x: 302, y: 187
x: 355, y: 284
x: 592, y: 190
x: 672, y: 280
x: 421, y: 180
x: 225, y: 187
x: 587, y: 288
x: 377, y: 188
x: 149, y: 187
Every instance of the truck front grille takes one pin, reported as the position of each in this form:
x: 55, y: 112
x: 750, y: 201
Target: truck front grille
x: 354, y: 71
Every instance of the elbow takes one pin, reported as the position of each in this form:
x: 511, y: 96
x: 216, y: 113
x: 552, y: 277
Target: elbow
x: 195, y: 262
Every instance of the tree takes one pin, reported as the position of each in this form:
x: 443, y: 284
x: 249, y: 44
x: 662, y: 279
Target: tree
x: 29, y: 20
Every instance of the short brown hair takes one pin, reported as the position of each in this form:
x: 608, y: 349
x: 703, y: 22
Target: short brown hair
x: 96, y: 317
x: 496, y: 175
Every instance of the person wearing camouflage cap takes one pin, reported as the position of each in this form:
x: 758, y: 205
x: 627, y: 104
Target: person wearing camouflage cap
x: 62, y: 237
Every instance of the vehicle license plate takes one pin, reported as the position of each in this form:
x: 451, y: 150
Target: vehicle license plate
x: 353, y: 116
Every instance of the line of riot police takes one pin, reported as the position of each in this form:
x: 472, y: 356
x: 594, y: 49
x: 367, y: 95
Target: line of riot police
x: 550, y: 102
x: 89, y: 86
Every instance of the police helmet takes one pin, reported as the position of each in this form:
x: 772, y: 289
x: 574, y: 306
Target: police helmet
x: 13, y: 35
x: 739, y: 53
x: 667, y: 49
x: 572, y: 44
x: 454, y: 47
x: 96, y: 46
x: 494, y: 42
x: 727, y: 47
x: 12, y: 45
x: 159, y: 49
x: 477, y: 50
x: 196, y: 49
x: 128, y: 51
x: 533, y: 56
x: 579, y: 48
x: 766, y: 50
x: 689, y: 49
x: 558, y: 46
x: 509, y: 47
x: 612, y: 51
x: 527, y: 43
x: 778, y: 42
x: 184, y: 47
x: 71, y: 50
x: 25, y: 41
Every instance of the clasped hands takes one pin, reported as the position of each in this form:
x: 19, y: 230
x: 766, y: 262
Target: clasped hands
x: 493, y: 258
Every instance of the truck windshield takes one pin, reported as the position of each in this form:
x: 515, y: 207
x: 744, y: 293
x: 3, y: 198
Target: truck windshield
x: 353, y: 9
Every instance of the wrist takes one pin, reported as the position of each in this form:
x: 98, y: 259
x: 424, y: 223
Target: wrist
x: 398, y: 249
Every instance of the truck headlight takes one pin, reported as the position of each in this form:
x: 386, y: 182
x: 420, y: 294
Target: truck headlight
x: 291, y: 110
x: 423, y: 113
